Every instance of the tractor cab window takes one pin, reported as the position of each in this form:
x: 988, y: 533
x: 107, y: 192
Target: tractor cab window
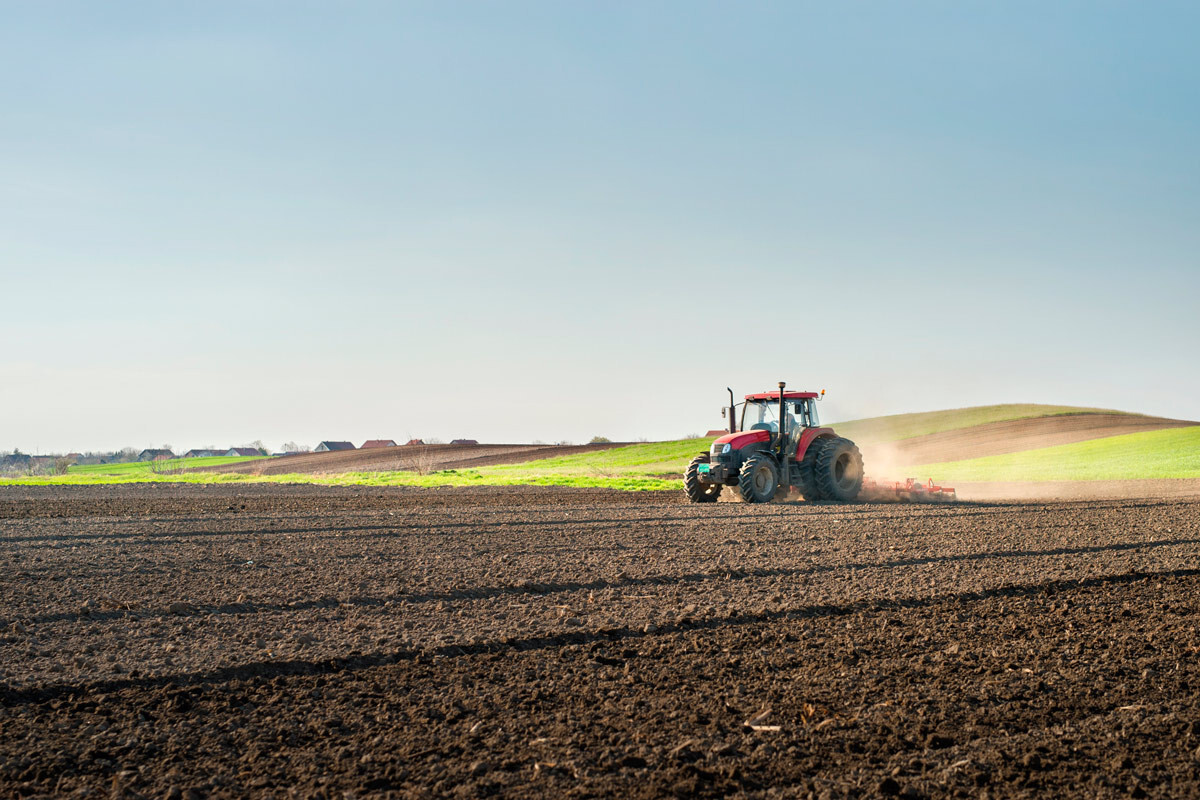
x: 806, y: 413
x: 760, y: 416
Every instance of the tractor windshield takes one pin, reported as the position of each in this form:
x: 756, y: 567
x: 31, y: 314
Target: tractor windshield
x: 764, y: 415
x: 760, y: 415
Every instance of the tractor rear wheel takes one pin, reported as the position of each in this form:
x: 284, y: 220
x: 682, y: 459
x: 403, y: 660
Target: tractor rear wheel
x: 808, y: 471
x: 697, y: 490
x: 758, y: 479
x: 839, y: 470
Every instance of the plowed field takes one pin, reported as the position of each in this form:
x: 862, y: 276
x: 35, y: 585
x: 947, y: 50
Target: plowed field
x: 1012, y: 436
x: 423, y: 458
x: 193, y: 641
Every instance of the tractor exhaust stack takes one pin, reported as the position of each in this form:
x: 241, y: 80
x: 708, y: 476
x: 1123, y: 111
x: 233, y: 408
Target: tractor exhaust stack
x: 785, y: 472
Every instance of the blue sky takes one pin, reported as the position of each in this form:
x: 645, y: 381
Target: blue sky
x: 298, y: 221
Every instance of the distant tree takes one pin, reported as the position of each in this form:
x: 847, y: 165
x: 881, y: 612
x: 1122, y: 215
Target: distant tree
x: 600, y: 440
x: 168, y: 447
x: 258, y: 445
x: 292, y: 447
x: 127, y: 454
x: 61, y: 465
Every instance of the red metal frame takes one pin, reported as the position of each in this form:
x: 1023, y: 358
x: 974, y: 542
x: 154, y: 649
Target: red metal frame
x: 786, y: 395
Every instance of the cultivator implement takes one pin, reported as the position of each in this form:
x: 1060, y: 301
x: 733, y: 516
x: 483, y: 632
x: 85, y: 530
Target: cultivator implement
x: 907, y: 491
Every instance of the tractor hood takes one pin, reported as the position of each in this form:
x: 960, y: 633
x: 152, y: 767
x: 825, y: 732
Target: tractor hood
x: 737, y: 441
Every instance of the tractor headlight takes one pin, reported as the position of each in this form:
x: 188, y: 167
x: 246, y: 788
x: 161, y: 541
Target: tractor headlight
x: 726, y: 448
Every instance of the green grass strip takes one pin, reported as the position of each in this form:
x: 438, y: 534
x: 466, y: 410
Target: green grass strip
x: 136, y: 468
x: 433, y: 480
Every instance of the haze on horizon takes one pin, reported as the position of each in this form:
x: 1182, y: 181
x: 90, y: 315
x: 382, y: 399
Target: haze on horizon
x: 224, y: 222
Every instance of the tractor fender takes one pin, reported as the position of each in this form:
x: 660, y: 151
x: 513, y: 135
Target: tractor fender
x: 809, y: 436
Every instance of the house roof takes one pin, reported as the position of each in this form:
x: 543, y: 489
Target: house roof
x: 156, y: 452
x: 244, y: 451
x: 338, y: 446
x: 464, y: 441
x: 415, y: 441
x: 377, y: 443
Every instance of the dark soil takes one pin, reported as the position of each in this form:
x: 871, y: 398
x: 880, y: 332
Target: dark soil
x: 269, y: 641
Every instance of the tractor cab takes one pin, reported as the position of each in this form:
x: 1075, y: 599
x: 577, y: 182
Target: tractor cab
x: 762, y: 413
x: 801, y: 408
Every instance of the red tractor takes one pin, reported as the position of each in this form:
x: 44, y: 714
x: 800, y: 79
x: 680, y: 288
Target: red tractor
x: 779, y: 446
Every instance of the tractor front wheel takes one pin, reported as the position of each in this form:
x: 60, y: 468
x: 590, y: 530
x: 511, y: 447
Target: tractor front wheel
x: 758, y: 479
x: 697, y: 490
x: 839, y: 470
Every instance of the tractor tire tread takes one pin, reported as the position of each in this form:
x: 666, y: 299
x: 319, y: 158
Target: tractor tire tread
x: 827, y: 483
x: 746, y: 478
x: 808, y: 479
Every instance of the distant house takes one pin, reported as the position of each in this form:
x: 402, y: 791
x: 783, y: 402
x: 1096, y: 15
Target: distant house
x: 243, y: 451
x: 150, y: 454
x: 325, y: 447
x: 415, y: 441
x: 464, y: 441
x: 371, y: 443
x: 203, y: 453
x: 15, y: 461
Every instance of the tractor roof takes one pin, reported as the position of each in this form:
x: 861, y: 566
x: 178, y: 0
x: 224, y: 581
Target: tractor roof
x: 774, y: 395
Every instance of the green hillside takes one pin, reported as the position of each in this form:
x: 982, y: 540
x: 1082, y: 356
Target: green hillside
x: 905, y: 426
x: 1169, y: 453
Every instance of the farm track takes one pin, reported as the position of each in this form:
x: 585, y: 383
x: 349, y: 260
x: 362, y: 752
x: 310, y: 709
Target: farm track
x: 230, y: 641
